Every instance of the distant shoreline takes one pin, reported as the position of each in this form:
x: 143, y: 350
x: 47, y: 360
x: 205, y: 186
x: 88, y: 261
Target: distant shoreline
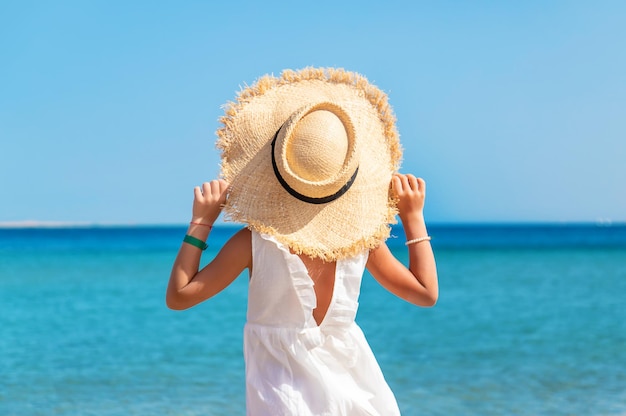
x: 68, y: 224
x: 28, y: 224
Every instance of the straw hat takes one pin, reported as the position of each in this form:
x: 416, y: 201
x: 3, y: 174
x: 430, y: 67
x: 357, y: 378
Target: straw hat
x: 309, y: 157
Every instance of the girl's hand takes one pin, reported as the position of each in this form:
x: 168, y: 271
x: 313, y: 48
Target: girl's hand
x: 411, y: 193
x: 208, y: 201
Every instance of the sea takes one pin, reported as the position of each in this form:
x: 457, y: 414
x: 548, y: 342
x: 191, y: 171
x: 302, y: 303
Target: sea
x: 531, y: 320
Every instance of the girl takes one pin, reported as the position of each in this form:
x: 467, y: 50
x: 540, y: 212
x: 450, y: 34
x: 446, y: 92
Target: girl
x: 308, y: 161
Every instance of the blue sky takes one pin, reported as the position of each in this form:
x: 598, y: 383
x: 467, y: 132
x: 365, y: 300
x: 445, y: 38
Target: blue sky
x: 511, y: 111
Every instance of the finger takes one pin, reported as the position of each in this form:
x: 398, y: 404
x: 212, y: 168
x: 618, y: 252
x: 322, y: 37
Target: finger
x: 223, y: 185
x: 421, y: 183
x: 206, y: 189
x: 215, y: 188
x: 197, y: 193
x: 396, y: 183
x: 412, y: 181
x: 406, y: 186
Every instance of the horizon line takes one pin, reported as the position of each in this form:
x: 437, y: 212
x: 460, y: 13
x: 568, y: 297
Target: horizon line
x: 87, y: 224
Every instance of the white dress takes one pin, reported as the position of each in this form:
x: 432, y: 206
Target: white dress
x: 294, y: 366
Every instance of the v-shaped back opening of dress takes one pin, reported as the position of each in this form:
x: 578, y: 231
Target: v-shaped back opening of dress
x: 282, y: 290
x: 325, y: 281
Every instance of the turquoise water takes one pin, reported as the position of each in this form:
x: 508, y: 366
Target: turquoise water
x: 531, y: 321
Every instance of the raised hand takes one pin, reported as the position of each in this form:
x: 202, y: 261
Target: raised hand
x: 208, y: 201
x: 411, y: 193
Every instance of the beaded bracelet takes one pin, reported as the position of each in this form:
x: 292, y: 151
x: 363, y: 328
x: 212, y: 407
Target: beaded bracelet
x: 196, y: 242
x: 418, y: 240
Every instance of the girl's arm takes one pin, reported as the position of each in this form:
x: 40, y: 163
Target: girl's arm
x: 188, y: 286
x: 417, y: 284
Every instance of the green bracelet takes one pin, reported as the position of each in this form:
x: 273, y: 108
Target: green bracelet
x: 196, y: 242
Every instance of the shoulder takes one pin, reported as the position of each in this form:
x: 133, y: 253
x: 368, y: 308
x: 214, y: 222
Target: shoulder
x: 238, y: 249
x: 381, y: 262
x: 244, y: 233
x: 379, y: 254
x: 241, y: 239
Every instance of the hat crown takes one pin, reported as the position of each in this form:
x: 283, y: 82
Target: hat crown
x: 318, y: 147
x: 316, y: 152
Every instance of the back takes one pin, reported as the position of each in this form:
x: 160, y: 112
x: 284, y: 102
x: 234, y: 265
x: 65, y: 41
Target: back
x: 282, y: 294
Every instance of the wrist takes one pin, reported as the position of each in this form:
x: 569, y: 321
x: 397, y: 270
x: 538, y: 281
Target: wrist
x: 199, y: 229
x: 201, y: 224
x: 414, y: 226
x: 416, y: 217
x: 201, y: 221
